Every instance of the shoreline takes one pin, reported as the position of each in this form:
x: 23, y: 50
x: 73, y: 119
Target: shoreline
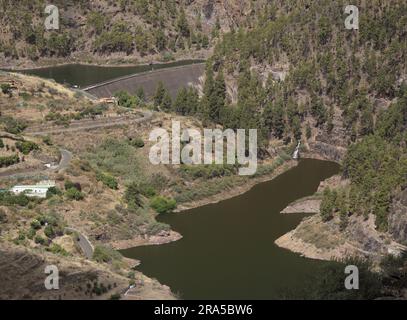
x: 239, y: 190
x: 228, y: 194
x: 104, y: 63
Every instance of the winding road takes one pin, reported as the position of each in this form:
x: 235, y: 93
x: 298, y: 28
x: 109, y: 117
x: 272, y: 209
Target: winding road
x: 66, y: 156
x: 91, y: 124
x: 83, y: 243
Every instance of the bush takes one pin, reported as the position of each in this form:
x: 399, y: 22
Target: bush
x: 74, y: 194
x: 39, y: 240
x: 137, y: 142
x: 5, y: 88
x: 3, y: 216
x: 26, y: 146
x: 107, y: 180
x: 133, y: 195
x: 49, y: 231
x: 9, y: 199
x: 125, y: 99
x: 35, y: 224
x: 13, y: 126
x: 115, y: 296
x: 53, y: 191
x: 163, y: 204
x: 31, y: 233
x: 69, y: 185
x: 9, y: 160
x: 57, y: 249
x: 47, y: 140
x: 105, y: 254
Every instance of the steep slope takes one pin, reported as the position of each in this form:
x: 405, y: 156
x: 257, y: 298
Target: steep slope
x: 118, y: 31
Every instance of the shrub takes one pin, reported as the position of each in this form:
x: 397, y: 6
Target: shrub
x: 47, y: 140
x: 9, y: 199
x: 106, y: 254
x: 3, y: 216
x: 6, y: 88
x: 115, y: 296
x: 39, y: 240
x: 49, y: 231
x: 163, y: 204
x: 57, y: 249
x: 133, y: 195
x: 14, y: 126
x: 26, y: 146
x: 74, y: 194
x: 107, y: 180
x: 53, y: 191
x: 35, y: 224
x: 137, y: 142
x: 72, y: 185
x: 9, y: 160
x: 125, y: 99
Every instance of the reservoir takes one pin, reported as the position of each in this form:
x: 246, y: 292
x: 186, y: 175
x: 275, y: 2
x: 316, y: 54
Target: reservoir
x: 86, y: 75
x: 228, y: 251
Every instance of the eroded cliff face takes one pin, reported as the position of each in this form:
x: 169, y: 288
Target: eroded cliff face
x: 316, y: 239
x: 398, y: 218
x: 24, y: 270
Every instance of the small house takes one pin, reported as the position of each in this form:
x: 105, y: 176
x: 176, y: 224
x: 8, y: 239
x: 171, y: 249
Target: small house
x: 38, y: 190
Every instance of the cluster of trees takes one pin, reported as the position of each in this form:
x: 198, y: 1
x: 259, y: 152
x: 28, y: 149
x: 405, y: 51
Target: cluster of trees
x: 12, y: 125
x: 7, y: 161
x: 146, y: 26
x: 107, y: 180
x: 330, y: 71
x: 73, y: 191
x: 26, y: 147
x: 377, y: 168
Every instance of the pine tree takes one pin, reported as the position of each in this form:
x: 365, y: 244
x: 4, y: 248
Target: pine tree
x: 166, y: 103
x: 217, y: 98
x: 207, y: 93
x: 278, y: 120
x: 180, y: 104
x: 182, y: 24
x: 159, y: 94
x: 327, y: 205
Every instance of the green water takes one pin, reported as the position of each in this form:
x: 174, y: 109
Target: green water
x: 228, y: 251
x: 86, y: 75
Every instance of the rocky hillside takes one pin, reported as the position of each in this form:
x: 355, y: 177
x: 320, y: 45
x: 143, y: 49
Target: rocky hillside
x: 296, y: 73
x: 118, y: 31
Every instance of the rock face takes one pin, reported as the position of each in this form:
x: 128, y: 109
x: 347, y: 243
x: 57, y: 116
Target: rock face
x: 303, y: 206
x: 327, y: 151
x: 398, y: 218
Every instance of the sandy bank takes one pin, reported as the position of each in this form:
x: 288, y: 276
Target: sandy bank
x: 303, y: 206
x: 238, y: 190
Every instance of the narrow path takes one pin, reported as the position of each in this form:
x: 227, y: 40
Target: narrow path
x: 66, y: 157
x: 95, y: 124
x: 83, y: 243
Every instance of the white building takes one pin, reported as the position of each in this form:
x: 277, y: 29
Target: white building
x: 37, y: 190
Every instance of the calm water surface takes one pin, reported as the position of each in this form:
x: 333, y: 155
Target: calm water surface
x: 228, y: 251
x: 85, y: 75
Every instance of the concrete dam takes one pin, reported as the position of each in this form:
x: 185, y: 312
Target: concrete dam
x: 173, y: 79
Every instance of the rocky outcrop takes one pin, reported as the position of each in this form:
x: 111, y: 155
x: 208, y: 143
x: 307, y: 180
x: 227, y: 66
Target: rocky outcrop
x: 327, y: 151
x: 303, y: 206
x: 398, y: 218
